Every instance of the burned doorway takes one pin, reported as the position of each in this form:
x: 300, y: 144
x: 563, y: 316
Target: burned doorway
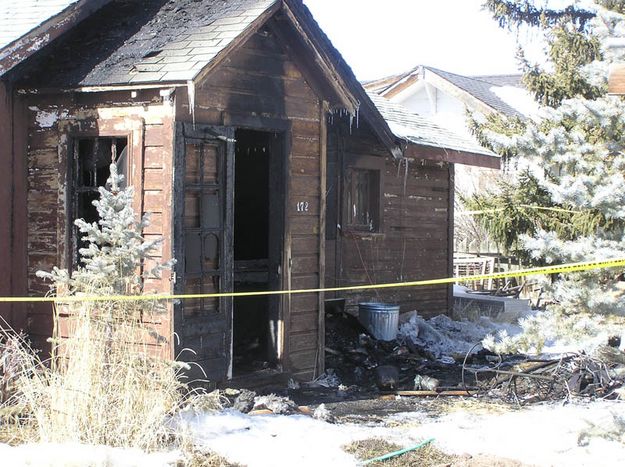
x: 258, y: 242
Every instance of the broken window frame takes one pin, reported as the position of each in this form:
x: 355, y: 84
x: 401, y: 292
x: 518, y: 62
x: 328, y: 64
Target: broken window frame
x: 363, y: 194
x: 77, y: 187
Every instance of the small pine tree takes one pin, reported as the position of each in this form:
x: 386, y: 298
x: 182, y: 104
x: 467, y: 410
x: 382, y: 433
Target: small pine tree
x: 104, y: 384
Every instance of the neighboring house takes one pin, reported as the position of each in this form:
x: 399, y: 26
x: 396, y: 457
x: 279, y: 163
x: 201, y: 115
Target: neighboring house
x: 263, y: 161
x: 616, y: 79
x: 446, y: 98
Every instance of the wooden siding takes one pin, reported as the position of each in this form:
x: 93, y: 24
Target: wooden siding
x: 53, y: 121
x: 413, y: 242
x: 261, y: 86
x: 6, y: 198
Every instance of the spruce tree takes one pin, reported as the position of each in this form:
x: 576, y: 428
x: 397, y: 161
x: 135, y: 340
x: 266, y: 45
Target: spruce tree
x: 110, y: 380
x: 570, y: 157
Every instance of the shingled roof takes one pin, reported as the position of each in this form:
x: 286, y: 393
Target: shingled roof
x: 174, y: 41
x: 18, y: 19
x: 420, y: 130
x: 479, y: 87
x: 28, y: 26
x: 138, y: 41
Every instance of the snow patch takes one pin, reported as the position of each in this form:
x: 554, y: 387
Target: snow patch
x: 445, y: 337
x: 550, y: 434
x: 571, y: 435
x: 517, y: 98
x: 274, y: 440
x: 60, y: 455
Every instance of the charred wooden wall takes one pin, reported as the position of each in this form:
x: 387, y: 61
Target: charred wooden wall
x: 414, y: 239
x: 53, y: 121
x: 13, y: 201
x: 261, y: 86
x: 6, y: 197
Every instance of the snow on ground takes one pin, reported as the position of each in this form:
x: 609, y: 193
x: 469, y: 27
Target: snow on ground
x: 548, y: 434
x: 446, y: 338
x: 67, y: 455
x: 274, y: 440
x: 542, y: 435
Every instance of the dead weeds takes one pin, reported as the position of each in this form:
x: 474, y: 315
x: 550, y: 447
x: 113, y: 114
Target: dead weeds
x: 427, y: 456
x: 199, y: 458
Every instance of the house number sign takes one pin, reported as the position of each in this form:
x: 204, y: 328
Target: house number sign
x: 302, y: 206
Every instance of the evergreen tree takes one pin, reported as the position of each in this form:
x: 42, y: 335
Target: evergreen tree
x: 572, y: 157
x: 106, y: 382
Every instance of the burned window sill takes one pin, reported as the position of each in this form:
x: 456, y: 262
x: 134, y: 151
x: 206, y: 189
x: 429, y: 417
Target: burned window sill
x: 355, y: 233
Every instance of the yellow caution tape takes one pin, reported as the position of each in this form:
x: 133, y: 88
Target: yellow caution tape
x: 545, y: 270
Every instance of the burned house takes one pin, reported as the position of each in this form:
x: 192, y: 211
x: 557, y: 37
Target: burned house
x: 264, y: 163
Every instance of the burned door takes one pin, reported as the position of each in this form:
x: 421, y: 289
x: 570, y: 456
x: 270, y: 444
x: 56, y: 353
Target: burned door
x: 203, y: 239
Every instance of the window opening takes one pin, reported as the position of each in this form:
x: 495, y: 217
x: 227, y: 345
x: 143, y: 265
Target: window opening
x: 92, y: 160
x: 363, y: 191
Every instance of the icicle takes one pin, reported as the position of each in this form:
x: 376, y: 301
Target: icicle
x: 351, y: 121
x: 405, y: 175
x: 358, y: 117
x: 191, y: 93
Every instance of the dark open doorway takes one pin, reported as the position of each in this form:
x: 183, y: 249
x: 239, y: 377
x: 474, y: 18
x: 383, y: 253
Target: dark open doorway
x: 258, y: 234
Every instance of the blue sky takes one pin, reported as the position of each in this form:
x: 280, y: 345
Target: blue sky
x: 378, y: 38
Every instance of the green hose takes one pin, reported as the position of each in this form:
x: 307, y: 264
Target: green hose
x: 397, y: 453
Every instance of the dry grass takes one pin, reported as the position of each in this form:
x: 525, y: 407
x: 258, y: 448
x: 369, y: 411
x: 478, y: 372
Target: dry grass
x: 101, y: 384
x: 374, y: 447
x: 198, y: 458
x: 109, y: 380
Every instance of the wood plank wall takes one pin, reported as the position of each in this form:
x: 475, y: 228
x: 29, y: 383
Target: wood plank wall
x: 6, y: 198
x: 262, y: 81
x: 52, y: 121
x: 414, y: 240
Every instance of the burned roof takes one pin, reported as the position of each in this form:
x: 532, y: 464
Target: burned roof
x: 422, y: 131
x: 139, y: 41
x: 168, y: 41
x: 18, y: 20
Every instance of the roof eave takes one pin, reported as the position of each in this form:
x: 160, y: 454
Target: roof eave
x: 342, y: 87
x: 355, y: 98
x: 22, y: 48
x: 452, y: 156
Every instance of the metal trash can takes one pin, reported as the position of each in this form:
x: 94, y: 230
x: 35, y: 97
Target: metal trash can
x: 380, y: 319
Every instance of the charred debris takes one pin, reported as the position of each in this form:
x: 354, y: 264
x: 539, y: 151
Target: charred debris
x: 359, y: 367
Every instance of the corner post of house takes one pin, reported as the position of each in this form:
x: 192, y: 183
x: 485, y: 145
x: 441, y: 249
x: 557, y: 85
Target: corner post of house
x: 7, y: 156
x: 323, y: 156
x: 450, y: 237
x: 19, y: 199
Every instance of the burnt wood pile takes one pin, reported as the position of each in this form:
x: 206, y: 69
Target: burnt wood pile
x: 522, y: 380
